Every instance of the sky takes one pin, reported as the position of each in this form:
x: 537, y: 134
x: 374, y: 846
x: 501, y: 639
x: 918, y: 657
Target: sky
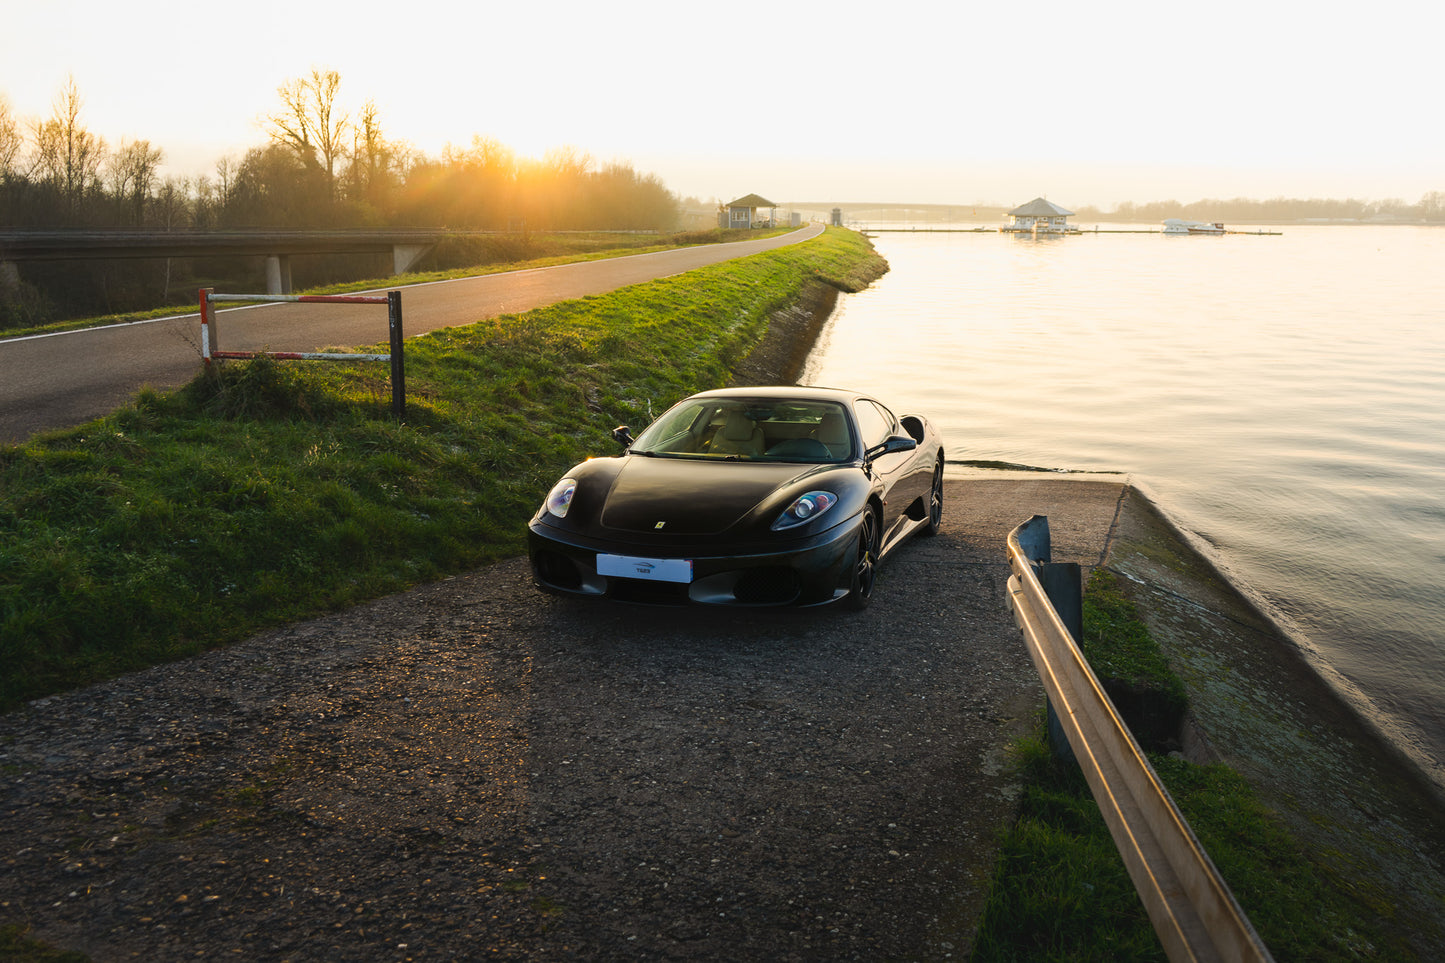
x: 941, y: 101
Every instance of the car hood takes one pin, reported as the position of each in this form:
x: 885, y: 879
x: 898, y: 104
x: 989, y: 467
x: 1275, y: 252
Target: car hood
x: 680, y: 496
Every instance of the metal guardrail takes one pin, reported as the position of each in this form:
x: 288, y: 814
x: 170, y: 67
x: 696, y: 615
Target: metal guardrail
x: 1191, y: 907
x: 210, y: 334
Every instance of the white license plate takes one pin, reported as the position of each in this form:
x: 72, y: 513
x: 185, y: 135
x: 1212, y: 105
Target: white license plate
x: 656, y: 569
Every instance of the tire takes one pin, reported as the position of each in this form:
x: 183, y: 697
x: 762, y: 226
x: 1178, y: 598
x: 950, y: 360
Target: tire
x: 865, y: 562
x: 935, y: 502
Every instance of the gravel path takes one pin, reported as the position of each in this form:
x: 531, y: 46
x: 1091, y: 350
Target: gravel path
x: 473, y: 769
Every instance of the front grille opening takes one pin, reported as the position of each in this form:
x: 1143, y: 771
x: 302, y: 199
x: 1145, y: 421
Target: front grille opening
x: 648, y: 592
x: 768, y: 586
x: 554, y: 568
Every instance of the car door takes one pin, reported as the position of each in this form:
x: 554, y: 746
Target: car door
x: 877, y: 424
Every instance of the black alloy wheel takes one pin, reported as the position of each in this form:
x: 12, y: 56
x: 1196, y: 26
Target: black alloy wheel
x: 865, y: 565
x: 935, y: 502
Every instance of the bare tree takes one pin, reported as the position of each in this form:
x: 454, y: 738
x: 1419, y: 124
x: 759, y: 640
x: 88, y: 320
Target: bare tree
x: 171, y: 208
x: 567, y: 162
x: 291, y: 125
x: 131, y: 172
x: 1432, y: 205
x: 309, y: 121
x: 204, y: 206
x: 11, y: 139
x: 376, y: 163
x: 225, y: 180
x: 172, y: 203
x: 66, y: 154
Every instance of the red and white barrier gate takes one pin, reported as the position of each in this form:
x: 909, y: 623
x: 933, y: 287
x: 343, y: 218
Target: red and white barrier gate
x: 210, y: 335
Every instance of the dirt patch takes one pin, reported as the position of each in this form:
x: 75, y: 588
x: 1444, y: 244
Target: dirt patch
x: 780, y: 356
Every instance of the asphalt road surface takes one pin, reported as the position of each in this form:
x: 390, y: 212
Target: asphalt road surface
x: 60, y: 380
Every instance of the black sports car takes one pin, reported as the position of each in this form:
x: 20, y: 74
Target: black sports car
x: 744, y: 496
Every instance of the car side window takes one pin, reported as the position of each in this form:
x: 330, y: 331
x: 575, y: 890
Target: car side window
x: 874, y: 422
x: 894, y: 427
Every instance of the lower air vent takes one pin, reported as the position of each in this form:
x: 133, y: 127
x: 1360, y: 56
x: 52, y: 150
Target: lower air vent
x: 767, y: 586
x: 554, y: 568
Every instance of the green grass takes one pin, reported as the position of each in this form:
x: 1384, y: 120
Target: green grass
x: 1060, y: 890
x: 17, y: 947
x: 1116, y: 642
x: 1130, y: 665
x: 265, y: 492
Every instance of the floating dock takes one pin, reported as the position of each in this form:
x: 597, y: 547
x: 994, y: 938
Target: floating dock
x: 1005, y: 230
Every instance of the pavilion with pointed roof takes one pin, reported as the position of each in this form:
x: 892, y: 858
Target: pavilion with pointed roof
x: 1040, y: 216
x: 743, y: 212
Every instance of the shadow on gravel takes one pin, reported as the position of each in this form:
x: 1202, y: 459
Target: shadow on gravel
x: 472, y: 767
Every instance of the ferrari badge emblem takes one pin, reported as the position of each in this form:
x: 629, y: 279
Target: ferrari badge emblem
x: 659, y: 525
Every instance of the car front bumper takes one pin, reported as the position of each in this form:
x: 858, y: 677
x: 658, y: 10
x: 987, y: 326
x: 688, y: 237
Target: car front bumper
x: 813, y: 570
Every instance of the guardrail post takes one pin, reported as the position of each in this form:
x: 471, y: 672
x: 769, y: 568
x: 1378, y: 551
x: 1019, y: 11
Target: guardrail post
x: 398, y: 367
x: 208, y: 325
x: 1033, y: 538
x: 1063, y: 584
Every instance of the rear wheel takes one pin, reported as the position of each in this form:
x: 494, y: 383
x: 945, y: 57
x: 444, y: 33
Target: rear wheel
x: 865, y: 562
x: 935, y: 502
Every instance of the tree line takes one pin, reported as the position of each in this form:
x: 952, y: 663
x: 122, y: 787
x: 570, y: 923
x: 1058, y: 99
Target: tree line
x: 321, y: 167
x: 1279, y: 210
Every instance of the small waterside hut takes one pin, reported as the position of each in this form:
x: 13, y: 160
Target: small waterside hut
x: 1040, y: 216
x: 743, y: 212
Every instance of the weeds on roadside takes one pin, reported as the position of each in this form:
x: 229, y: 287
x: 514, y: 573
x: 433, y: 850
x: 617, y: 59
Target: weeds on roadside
x: 16, y: 946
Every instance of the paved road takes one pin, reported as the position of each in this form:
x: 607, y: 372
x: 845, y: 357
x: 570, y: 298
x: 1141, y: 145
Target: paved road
x: 55, y: 381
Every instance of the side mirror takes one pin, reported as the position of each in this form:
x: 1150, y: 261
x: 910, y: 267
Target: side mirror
x: 622, y: 435
x: 891, y: 446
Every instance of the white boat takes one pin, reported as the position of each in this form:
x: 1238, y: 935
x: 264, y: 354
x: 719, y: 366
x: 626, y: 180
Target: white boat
x: 1176, y: 225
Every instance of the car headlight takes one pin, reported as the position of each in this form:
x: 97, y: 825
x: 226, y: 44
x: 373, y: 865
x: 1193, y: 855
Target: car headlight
x: 559, y: 499
x: 804, y: 509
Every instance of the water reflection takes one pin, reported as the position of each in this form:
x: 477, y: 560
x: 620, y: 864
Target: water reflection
x: 1282, y: 396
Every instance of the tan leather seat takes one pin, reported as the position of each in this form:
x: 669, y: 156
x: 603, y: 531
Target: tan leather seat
x: 739, y: 435
x: 833, y: 432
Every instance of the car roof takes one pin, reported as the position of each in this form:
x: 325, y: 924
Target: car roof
x: 791, y: 392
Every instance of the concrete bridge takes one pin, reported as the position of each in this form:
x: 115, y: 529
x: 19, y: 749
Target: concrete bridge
x: 275, y: 246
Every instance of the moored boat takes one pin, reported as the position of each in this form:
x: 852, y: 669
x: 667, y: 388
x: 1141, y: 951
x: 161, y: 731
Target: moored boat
x: 1175, y: 225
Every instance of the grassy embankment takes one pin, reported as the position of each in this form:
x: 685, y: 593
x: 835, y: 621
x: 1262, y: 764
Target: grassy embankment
x: 266, y: 492
x: 1060, y: 890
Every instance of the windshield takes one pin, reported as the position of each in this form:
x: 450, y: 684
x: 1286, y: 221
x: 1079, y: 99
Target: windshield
x: 751, y: 429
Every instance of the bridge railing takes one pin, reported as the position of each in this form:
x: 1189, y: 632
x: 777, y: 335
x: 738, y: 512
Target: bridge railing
x: 210, y: 334
x: 1192, y: 909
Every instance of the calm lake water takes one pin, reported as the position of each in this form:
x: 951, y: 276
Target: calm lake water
x: 1281, y: 398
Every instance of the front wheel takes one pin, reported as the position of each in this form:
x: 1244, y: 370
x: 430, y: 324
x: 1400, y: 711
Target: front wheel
x: 935, y: 502
x: 865, y: 563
